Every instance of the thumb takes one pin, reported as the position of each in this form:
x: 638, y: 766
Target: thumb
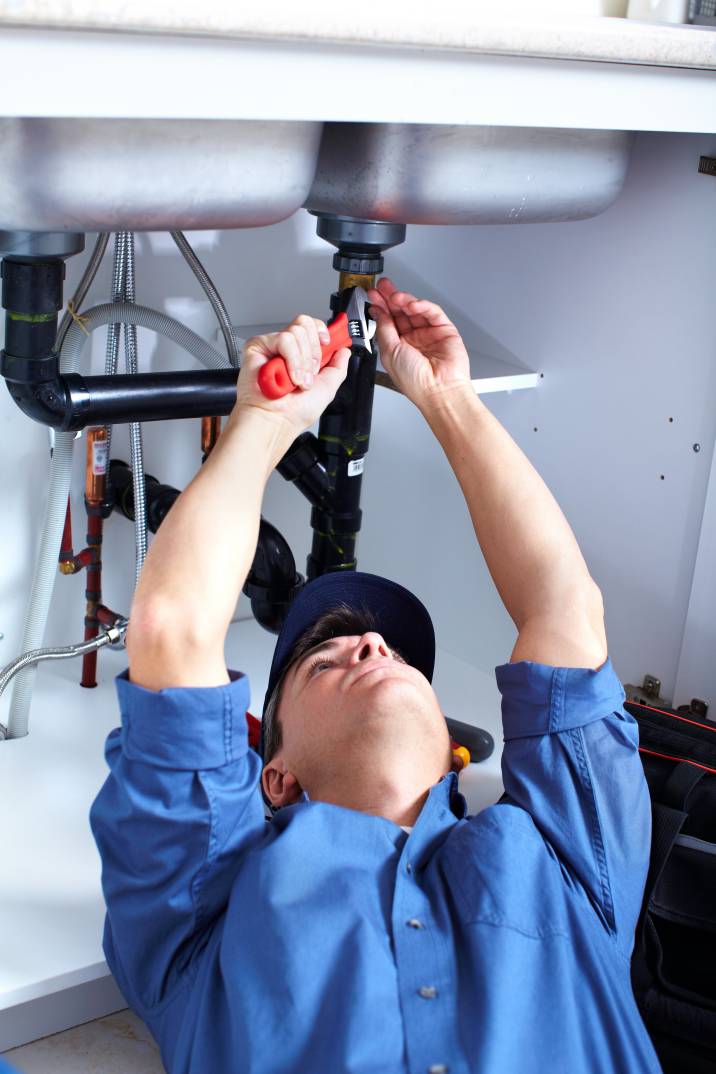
x: 336, y: 369
x: 334, y: 372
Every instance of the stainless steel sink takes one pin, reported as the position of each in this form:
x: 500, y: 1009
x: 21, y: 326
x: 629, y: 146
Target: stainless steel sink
x: 432, y: 174
x: 129, y: 174
x: 126, y: 174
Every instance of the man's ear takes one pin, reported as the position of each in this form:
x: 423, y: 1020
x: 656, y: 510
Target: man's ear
x: 279, y: 784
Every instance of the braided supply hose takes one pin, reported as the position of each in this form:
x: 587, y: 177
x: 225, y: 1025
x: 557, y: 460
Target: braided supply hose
x: 112, y: 636
x: 135, y: 428
x: 212, y: 294
x: 82, y: 287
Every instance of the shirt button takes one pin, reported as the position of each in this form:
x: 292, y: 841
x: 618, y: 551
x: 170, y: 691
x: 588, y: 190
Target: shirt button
x: 415, y: 923
x: 408, y: 868
x: 438, y: 1068
x: 428, y: 992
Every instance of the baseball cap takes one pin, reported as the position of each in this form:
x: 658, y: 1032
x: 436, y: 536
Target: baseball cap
x: 400, y: 617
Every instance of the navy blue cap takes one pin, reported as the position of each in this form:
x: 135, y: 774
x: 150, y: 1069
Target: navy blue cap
x: 400, y: 617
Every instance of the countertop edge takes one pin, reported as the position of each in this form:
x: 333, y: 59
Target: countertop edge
x: 609, y: 40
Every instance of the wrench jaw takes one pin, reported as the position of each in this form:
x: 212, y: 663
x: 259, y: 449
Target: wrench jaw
x: 361, y: 326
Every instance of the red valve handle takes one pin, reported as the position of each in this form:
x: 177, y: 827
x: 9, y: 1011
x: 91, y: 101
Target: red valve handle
x: 274, y: 379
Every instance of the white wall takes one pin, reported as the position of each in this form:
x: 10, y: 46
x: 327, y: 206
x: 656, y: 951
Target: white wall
x: 617, y: 312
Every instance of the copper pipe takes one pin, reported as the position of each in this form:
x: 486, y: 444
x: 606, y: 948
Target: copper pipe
x: 210, y: 433
x: 96, y: 467
x: 93, y: 595
x: 95, y: 491
x: 107, y: 617
x: 66, y: 552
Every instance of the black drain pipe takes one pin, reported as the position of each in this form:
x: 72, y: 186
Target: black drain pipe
x: 32, y: 279
x: 70, y: 402
x: 272, y: 582
x: 344, y: 428
x: 343, y: 435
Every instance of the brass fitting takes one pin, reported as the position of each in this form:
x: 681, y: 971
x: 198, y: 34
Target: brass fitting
x: 355, y: 279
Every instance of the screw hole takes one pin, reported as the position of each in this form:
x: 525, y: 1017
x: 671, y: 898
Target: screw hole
x: 671, y: 419
x: 535, y: 428
x: 662, y: 477
x: 542, y: 376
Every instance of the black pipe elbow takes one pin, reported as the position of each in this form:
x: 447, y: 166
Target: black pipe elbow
x: 159, y: 498
x: 272, y: 582
x: 302, y: 464
x: 36, y: 387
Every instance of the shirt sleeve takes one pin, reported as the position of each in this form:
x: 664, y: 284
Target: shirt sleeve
x: 180, y: 806
x: 571, y: 761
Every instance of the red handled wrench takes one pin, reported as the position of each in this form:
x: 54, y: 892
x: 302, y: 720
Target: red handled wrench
x: 274, y: 380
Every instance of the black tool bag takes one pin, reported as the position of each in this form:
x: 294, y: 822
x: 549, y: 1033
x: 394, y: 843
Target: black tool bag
x: 674, y: 961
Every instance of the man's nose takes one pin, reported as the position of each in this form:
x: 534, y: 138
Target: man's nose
x: 370, y: 645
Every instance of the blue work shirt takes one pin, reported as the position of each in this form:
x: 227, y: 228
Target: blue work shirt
x: 328, y: 941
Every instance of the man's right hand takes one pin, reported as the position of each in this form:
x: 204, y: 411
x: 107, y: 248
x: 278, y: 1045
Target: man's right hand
x: 300, y: 347
x: 421, y: 349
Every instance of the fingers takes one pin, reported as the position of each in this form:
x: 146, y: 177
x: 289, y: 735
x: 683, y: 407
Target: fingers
x: 430, y: 312
x: 386, y: 331
x: 386, y: 287
x: 376, y: 299
x: 407, y: 311
x: 299, y: 345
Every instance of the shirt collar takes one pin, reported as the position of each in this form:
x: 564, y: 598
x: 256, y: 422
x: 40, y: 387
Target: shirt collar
x: 442, y: 809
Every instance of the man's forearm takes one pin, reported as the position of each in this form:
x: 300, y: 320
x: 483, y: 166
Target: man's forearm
x: 200, y: 558
x: 529, y: 548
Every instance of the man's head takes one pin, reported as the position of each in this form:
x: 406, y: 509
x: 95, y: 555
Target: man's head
x: 350, y: 716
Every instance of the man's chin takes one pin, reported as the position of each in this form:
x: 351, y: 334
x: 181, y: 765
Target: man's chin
x: 396, y: 702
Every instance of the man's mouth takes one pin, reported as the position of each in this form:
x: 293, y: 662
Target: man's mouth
x: 374, y: 666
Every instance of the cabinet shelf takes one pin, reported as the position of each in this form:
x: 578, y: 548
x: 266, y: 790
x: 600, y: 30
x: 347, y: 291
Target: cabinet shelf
x: 489, y: 374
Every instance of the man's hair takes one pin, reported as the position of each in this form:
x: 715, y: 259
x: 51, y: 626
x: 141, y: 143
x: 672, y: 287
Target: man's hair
x: 339, y: 621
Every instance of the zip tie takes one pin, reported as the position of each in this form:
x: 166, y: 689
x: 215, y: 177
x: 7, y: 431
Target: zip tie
x: 77, y: 317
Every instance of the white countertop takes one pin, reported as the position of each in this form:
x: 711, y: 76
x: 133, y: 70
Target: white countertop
x: 448, y: 25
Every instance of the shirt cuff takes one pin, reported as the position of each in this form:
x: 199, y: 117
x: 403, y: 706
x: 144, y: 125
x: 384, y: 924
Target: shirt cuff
x: 189, y: 728
x: 542, y: 700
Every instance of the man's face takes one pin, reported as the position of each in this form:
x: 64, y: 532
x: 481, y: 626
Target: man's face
x: 352, y: 702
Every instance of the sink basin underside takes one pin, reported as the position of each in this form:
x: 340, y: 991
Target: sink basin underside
x: 141, y: 175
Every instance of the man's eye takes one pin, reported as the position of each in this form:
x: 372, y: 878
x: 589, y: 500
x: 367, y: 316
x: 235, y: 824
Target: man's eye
x: 321, y: 662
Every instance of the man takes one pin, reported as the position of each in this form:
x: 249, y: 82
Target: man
x: 372, y: 925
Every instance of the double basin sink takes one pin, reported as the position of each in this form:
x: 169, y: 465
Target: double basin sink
x: 156, y: 175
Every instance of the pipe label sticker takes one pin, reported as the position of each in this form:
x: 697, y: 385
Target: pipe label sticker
x: 355, y: 467
x: 99, y: 458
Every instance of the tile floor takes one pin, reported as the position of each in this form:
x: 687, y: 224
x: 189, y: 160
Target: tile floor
x: 117, y: 1044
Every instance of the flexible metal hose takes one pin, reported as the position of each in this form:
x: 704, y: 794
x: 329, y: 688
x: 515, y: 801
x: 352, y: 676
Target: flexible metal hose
x: 135, y: 428
x: 61, y: 473
x: 82, y: 287
x: 112, y: 636
x: 111, y: 359
x: 211, y: 293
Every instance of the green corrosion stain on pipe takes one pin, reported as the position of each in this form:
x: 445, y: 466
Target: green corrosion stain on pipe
x: 330, y: 537
x: 349, y: 446
x: 31, y: 318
